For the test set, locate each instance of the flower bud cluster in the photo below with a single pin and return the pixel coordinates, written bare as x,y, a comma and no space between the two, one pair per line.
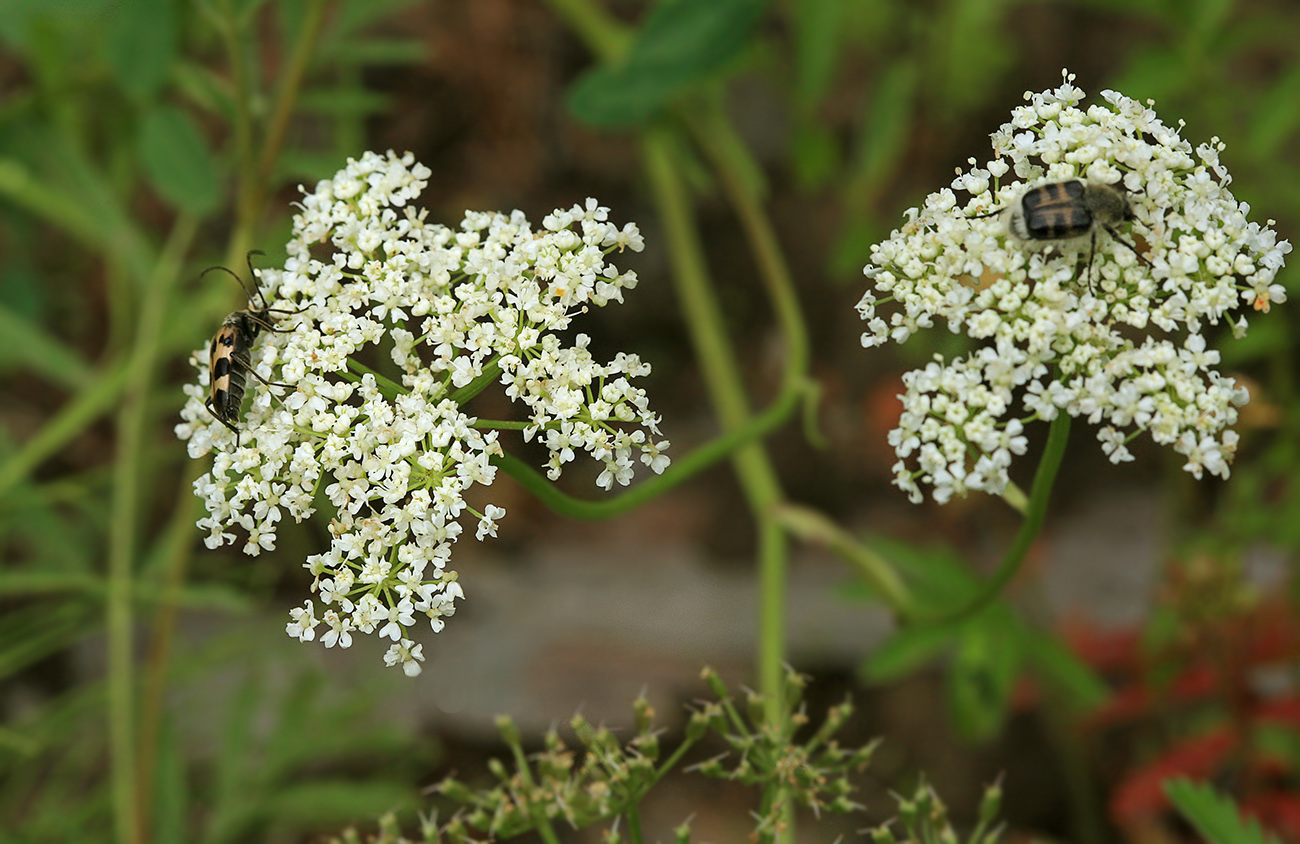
1108,331
370,287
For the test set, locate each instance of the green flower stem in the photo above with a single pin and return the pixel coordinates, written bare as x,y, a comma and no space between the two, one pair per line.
722,374
173,550
536,813
633,822
389,388
134,422
285,100
490,374
681,470
811,525
1058,436
741,180
231,30
603,34
256,170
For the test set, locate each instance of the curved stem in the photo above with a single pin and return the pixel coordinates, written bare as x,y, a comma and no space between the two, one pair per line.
1058,437
681,470
813,526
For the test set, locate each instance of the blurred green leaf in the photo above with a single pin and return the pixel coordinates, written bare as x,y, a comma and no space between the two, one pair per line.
1214,816
815,155
982,675
1058,667
681,43
176,159
971,46
885,127
26,345
819,36
377,51
1276,116
905,652
36,631
140,41
353,15
939,577
331,802
1278,740
343,102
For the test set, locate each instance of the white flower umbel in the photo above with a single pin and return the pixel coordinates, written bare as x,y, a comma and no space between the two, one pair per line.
1097,332
448,312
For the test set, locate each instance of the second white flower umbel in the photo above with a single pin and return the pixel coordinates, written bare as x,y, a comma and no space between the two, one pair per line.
1105,326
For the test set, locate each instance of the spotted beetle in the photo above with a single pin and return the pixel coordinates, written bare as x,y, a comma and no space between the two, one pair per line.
229,355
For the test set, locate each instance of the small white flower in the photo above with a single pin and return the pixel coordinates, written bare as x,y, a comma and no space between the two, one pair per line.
340,631
302,623
487,526
407,654
394,452
1058,340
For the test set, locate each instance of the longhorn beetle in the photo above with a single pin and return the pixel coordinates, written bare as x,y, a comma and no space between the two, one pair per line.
229,356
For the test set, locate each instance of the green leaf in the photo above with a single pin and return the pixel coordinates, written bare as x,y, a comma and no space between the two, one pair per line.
681,43
1277,116
886,126
140,45
939,577
815,155
982,675
340,801
1215,816
343,102
175,157
26,345
1058,667
906,651
819,36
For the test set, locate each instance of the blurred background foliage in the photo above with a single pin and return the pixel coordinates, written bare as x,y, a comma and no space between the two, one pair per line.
145,141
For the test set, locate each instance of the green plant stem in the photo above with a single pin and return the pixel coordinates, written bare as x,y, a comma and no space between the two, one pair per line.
174,552
286,99
741,179
722,374
696,461
813,526
604,35
231,30
541,823
133,424
634,823
706,325
1058,436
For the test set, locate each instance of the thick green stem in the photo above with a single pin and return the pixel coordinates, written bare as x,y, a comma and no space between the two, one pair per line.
722,374
133,425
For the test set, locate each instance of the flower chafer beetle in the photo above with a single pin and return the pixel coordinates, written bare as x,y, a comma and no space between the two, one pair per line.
229,355
1070,210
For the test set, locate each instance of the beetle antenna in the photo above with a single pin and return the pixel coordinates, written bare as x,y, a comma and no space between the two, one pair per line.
252,273
252,292
247,290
